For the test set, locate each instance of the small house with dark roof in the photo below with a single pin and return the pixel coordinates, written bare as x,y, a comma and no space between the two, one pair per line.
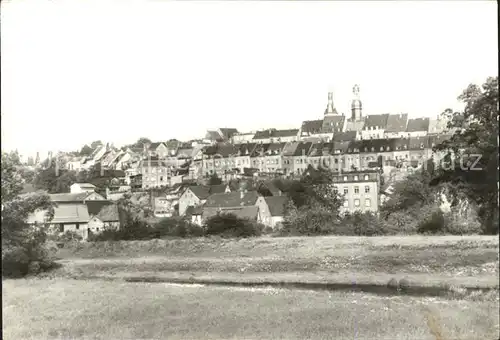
197,195
106,218
272,210
417,127
218,203
374,126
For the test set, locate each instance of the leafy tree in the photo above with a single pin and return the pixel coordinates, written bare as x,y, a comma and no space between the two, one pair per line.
476,133
21,244
95,144
141,142
86,150
214,180
54,180
411,193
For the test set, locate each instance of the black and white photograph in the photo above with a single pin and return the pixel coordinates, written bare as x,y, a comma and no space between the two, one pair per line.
250,170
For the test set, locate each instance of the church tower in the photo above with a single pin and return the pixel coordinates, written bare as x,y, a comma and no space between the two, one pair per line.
330,108
356,106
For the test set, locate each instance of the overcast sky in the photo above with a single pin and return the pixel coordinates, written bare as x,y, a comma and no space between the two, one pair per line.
76,71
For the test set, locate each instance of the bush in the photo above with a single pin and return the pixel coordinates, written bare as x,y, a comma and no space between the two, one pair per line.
177,227
229,225
364,224
433,225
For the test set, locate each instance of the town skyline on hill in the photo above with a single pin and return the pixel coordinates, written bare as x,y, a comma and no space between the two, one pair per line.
164,78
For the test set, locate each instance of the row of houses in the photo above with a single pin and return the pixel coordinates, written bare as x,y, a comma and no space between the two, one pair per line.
293,158
262,201
82,211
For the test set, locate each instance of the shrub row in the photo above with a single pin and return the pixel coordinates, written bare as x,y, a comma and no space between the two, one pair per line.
224,225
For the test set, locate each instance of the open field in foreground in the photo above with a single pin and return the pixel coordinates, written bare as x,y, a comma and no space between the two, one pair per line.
64,309
469,260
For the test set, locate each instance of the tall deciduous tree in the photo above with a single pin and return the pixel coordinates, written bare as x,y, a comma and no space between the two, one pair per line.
473,168
21,244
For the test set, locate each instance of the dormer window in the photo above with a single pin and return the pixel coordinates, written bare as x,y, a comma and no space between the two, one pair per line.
366,177
348,150
373,149
356,178
345,178
387,148
405,146
381,148
366,149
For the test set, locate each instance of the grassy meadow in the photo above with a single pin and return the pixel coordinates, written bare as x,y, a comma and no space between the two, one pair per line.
91,295
64,309
468,260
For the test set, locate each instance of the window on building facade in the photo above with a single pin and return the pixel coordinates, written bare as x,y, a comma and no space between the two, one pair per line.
61,227
161,178
346,204
356,202
346,191
77,226
367,177
367,189
335,189
356,177
356,190
368,202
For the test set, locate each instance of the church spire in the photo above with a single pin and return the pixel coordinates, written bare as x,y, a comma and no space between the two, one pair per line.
330,108
356,105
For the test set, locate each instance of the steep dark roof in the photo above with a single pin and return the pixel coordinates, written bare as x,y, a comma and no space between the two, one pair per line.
379,121
332,124
227,133
302,149
342,146
213,135
276,204
418,124
275,148
203,191
289,148
94,207
320,148
344,136
273,133
397,123
232,199
312,126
